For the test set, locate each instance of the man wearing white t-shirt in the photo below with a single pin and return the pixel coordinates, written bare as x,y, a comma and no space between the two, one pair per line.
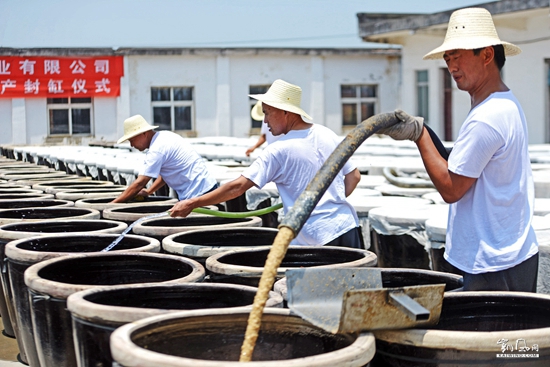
169,159
292,162
487,178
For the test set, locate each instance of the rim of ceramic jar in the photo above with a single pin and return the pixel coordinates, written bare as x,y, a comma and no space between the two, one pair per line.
78,303
13,252
189,249
368,259
64,290
363,348
481,341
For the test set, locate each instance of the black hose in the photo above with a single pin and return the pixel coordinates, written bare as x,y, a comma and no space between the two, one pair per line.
305,203
444,152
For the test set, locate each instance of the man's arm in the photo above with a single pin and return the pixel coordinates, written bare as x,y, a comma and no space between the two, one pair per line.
260,141
451,186
223,193
132,190
351,180
157,184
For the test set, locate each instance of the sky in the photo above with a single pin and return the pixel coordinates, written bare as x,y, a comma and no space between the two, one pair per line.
197,23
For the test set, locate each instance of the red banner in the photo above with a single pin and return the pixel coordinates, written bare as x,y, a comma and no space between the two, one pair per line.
60,77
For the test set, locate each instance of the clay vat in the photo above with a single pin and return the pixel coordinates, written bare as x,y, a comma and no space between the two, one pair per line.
213,338
246,266
475,329
35,214
96,313
39,203
51,282
105,203
131,213
20,254
162,227
398,235
201,244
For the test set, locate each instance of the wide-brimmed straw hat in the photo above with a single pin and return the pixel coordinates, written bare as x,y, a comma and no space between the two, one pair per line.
134,126
284,96
257,113
468,29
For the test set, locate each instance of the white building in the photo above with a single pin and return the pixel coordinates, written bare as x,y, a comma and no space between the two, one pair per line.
427,88
187,65
202,92
221,79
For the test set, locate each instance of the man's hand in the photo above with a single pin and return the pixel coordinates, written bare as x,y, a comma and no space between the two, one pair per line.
181,209
144,193
410,127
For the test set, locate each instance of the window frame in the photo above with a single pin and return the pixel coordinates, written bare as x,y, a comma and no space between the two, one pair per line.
173,104
423,89
357,101
69,106
547,100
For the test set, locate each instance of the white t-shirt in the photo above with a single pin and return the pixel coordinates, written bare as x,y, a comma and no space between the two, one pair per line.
181,167
489,229
269,137
292,162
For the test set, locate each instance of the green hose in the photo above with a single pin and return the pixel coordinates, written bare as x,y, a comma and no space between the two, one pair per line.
252,213
216,213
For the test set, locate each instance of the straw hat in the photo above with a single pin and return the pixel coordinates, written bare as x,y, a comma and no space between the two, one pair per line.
257,113
469,29
134,126
284,96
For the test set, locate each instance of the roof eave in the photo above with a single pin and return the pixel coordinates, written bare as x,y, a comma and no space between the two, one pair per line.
373,28
198,51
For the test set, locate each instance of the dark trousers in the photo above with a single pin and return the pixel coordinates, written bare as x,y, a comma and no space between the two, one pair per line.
216,185
520,278
352,238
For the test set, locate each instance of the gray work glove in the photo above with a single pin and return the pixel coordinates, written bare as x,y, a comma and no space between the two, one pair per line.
410,127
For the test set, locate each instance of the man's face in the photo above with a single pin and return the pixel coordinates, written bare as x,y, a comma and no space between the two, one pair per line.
139,142
275,119
466,69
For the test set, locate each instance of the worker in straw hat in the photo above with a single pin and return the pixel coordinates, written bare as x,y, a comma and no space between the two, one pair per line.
292,162
265,135
487,178
169,159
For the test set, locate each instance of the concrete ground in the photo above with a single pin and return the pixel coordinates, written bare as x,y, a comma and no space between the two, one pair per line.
8,350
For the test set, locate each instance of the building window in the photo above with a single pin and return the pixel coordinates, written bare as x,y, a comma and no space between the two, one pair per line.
547,61
359,102
70,116
256,89
172,108
447,104
422,98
